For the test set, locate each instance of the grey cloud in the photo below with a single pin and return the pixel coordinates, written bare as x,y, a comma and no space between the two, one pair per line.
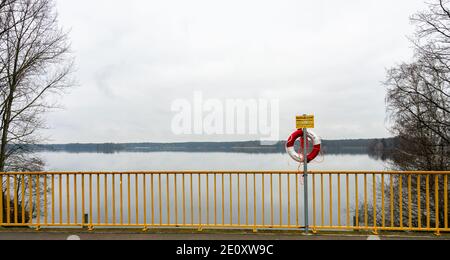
324,57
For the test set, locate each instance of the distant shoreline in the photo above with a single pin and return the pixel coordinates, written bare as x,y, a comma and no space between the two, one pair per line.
351,146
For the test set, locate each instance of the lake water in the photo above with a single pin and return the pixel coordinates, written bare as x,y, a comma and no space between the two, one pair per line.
170,161
239,208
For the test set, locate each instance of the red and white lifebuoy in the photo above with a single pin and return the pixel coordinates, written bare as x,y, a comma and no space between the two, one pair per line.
317,142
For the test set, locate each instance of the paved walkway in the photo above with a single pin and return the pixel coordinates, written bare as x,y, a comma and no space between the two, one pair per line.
186,235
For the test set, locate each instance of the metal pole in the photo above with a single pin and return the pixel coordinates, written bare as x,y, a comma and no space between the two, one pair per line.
305,176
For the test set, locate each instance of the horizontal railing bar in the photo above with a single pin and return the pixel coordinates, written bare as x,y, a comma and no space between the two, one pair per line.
380,228
157,225
237,226
232,172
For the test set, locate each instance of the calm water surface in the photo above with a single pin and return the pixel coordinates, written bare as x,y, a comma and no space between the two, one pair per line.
199,161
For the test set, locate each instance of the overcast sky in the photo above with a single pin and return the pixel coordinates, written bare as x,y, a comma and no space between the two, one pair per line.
134,58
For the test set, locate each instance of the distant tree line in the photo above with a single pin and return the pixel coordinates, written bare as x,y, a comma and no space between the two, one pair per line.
384,148
362,146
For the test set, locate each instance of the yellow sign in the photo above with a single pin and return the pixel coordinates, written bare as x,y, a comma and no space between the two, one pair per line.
306,121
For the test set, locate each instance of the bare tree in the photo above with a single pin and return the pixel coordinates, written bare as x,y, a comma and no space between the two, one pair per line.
433,31
35,64
418,104
419,107
5,24
418,95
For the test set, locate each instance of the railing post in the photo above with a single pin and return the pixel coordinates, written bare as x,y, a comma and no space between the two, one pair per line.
436,203
305,176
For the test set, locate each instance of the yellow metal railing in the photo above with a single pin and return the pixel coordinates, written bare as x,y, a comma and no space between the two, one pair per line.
353,201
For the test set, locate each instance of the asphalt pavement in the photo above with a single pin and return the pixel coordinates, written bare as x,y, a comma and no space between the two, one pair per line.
26,234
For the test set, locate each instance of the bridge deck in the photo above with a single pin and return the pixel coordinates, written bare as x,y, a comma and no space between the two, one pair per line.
122,234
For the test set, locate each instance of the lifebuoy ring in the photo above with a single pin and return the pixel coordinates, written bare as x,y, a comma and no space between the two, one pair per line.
317,142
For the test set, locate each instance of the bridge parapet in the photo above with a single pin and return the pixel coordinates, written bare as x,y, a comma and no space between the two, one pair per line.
255,200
